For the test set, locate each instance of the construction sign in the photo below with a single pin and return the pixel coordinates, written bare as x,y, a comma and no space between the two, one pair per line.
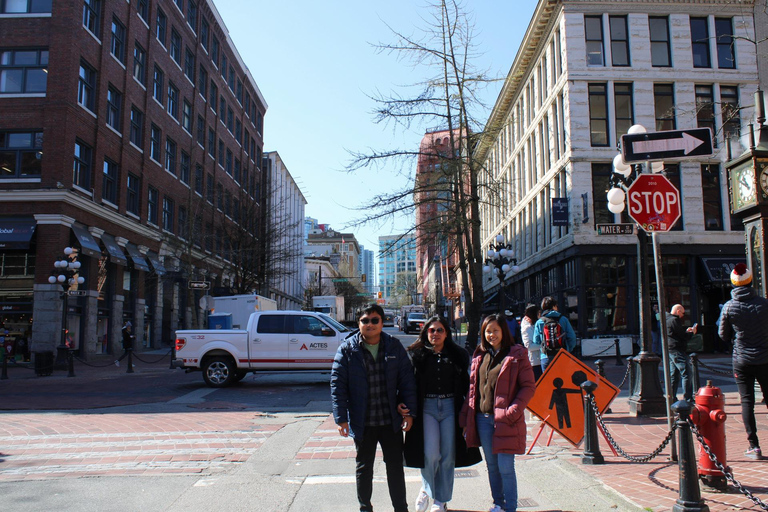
558,398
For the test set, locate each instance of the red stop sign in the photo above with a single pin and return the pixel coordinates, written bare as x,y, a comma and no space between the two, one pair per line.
653,202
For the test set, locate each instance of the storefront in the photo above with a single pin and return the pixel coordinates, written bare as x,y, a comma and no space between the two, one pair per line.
17,275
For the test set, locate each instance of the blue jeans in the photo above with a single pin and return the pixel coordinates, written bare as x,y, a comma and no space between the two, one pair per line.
439,448
544,362
679,367
501,467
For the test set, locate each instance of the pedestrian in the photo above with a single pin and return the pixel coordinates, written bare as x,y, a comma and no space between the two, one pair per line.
744,322
558,333
371,374
677,339
501,384
512,325
127,342
435,443
532,314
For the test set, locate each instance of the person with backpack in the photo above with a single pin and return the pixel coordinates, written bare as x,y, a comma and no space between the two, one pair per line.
552,332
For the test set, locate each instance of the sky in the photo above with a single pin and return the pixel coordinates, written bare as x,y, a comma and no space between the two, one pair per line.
316,67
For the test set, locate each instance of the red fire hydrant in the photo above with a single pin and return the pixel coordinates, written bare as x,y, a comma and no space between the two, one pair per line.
709,417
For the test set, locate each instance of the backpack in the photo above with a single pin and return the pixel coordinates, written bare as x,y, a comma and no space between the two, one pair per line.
554,337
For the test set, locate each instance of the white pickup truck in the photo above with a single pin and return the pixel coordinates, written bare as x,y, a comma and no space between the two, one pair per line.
273,340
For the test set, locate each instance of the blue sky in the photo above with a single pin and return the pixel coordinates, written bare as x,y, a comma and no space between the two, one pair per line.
315,65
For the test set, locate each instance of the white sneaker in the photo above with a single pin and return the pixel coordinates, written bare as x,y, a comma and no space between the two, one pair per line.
496,508
438,506
117,363
422,502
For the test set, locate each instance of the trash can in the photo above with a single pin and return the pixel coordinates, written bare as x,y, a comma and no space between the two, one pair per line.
43,363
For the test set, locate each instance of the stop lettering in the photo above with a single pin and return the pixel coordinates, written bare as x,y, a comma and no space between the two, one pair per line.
653,202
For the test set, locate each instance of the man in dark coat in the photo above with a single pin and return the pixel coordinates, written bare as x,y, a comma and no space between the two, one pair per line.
127,342
744,322
371,375
678,336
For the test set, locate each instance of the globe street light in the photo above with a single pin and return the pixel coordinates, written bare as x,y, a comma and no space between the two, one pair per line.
65,273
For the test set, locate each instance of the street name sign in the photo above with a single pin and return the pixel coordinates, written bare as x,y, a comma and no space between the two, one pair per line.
199,285
339,280
653,202
615,229
667,145
76,293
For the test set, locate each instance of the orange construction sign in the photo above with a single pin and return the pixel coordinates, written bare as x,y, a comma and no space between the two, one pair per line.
558,397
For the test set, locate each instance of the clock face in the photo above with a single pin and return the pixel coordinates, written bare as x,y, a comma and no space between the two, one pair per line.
743,186
764,178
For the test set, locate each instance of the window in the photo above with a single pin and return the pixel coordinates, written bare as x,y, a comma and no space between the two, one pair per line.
215,50
238,131
672,173
664,102
658,27
173,101
192,15
140,64
259,123
25,6
598,114
223,107
209,188
204,30
86,86
713,204
729,107
186,116
109,184
137,127
219,196
23,71
705,108
619,40
199,179
726,58
228,166
601,184
625,110
157,83
21,154
231,81
221,153
212,143
161,29
247,105
700,42
168,208
114,108
239,93
202,82
593,26
184,168
214,102
237,170
230,120
152,198
246,138
154,143
81,170
223,67
175,50
132,194
142,8
201,131
189,65
170,156
91,14
118,40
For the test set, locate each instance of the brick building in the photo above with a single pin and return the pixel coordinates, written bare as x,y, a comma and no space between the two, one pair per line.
132,132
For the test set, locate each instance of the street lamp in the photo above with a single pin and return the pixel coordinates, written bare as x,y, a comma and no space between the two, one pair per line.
65,273
501,259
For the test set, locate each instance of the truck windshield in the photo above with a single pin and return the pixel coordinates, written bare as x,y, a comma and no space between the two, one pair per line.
417,316
334,323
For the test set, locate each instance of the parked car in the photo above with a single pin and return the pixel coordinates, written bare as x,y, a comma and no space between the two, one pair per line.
414,322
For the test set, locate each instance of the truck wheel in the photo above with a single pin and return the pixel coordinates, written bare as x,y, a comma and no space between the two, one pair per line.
219,372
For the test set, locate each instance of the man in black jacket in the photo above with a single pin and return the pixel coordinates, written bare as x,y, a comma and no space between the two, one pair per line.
744,322
678,337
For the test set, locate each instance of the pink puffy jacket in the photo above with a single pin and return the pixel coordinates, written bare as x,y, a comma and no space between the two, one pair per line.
514,390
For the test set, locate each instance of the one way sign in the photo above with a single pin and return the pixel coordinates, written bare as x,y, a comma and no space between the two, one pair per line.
668,145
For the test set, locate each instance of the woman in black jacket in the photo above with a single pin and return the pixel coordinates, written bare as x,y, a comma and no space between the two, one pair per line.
435,443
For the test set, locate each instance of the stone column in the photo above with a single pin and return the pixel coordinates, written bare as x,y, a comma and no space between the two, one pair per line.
115,335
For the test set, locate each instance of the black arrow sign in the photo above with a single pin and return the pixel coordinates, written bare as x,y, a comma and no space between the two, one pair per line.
668,145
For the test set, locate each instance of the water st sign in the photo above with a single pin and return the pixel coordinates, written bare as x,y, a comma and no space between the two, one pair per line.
653,202
615,229
667,145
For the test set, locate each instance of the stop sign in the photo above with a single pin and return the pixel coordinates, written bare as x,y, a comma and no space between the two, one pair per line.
653,202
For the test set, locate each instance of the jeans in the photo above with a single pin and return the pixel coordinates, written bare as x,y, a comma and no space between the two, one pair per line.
439,448
745,376
392,448
544,362
679,366
501,467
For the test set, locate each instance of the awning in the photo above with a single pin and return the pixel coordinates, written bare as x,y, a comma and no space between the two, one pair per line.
154,259
16,232
138,260
88,245
719,269
116,254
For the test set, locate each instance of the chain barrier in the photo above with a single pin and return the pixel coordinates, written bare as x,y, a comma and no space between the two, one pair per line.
16,364
715,370
136,356
610,347
618,448
626,374
727,472
86,363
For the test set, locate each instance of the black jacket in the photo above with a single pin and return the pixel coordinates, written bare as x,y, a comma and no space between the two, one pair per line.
677,334
414,438
744,322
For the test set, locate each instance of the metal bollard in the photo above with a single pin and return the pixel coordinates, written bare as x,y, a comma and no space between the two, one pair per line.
618,352
591,454
71,363
600,364
632,375
689,499
130,361
694,359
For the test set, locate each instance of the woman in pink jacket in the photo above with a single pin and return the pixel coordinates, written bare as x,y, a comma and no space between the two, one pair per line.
501,384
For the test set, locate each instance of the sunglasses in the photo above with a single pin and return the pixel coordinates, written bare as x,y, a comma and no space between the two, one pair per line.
432,330
365,321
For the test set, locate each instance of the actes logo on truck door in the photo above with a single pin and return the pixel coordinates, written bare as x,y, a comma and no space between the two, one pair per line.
314,346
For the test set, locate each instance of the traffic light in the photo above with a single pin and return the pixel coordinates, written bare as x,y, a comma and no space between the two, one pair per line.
363,278
380,294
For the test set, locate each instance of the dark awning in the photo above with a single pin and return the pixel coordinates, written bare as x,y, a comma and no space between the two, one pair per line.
88,245
116,254
16,232
154,259
138,260
719,269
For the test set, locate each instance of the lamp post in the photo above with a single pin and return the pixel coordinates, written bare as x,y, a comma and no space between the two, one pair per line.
501,259
65,273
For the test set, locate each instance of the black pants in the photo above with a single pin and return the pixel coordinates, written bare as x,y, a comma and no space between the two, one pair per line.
125,353
745,376
392,448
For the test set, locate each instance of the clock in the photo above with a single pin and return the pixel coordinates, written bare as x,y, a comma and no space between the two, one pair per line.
763,178
744,186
